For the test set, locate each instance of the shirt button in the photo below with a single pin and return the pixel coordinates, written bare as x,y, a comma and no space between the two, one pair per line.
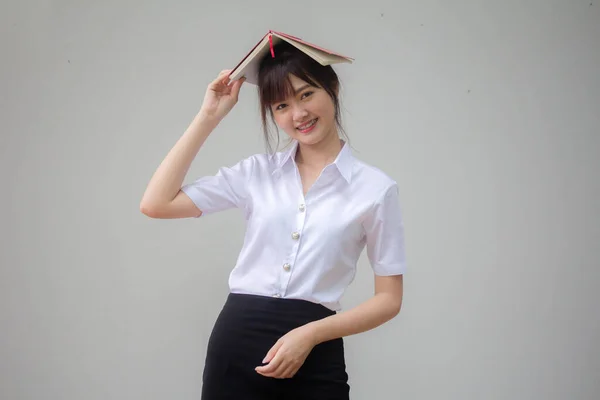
287,266
295,235
302,207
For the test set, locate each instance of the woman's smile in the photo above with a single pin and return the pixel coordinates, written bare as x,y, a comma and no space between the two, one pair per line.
307,127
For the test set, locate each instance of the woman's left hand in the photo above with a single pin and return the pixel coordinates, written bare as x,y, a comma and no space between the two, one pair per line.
288,354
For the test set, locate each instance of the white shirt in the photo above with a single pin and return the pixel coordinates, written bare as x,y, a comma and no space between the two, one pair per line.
306,247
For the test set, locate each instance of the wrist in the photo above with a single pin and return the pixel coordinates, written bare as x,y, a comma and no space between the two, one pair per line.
209,118
314,332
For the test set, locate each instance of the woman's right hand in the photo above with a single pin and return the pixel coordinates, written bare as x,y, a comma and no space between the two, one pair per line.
221,96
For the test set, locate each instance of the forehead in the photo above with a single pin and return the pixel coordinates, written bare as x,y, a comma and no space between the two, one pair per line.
296,82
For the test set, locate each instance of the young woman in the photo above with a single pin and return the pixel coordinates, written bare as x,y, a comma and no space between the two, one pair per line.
311,209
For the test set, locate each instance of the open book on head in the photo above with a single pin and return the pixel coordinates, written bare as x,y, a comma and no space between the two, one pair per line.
248,67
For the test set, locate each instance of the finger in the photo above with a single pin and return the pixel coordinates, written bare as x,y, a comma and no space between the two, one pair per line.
236,86
272,352
273,374
290,370
238,80
281,372
286,369
224,75
221,78
271,367
288,373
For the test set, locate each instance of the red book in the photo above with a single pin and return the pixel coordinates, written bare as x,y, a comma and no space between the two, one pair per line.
248,67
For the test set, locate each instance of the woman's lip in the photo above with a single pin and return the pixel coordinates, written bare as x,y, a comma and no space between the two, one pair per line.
306,124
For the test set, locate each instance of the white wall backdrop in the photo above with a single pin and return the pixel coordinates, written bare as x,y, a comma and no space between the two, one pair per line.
486,113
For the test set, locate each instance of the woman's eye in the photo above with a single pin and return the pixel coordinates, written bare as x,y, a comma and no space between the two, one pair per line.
280,107
306,94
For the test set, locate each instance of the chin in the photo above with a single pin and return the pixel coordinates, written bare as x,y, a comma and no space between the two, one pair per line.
309,140
312,138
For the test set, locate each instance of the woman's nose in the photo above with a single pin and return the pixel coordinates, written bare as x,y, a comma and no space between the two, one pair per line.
300,113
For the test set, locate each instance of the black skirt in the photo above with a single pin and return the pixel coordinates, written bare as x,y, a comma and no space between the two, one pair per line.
247,327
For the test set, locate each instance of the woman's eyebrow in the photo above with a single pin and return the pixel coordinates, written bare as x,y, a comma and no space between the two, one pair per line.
301,88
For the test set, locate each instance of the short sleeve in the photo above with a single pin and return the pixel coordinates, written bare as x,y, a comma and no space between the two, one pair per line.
385,235
224,190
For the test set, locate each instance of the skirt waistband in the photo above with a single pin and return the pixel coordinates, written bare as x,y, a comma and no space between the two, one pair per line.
294,308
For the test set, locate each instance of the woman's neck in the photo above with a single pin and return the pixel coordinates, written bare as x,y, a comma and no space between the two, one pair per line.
319,155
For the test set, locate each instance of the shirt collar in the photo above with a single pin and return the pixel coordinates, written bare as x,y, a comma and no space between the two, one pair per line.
343,162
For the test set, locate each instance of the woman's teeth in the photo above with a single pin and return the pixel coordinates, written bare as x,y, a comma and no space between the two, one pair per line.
306,126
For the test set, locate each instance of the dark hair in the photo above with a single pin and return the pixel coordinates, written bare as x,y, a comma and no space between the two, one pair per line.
274,84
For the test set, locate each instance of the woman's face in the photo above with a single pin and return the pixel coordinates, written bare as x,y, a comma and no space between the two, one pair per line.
308,116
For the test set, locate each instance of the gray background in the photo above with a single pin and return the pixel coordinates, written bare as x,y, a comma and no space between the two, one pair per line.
486,113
